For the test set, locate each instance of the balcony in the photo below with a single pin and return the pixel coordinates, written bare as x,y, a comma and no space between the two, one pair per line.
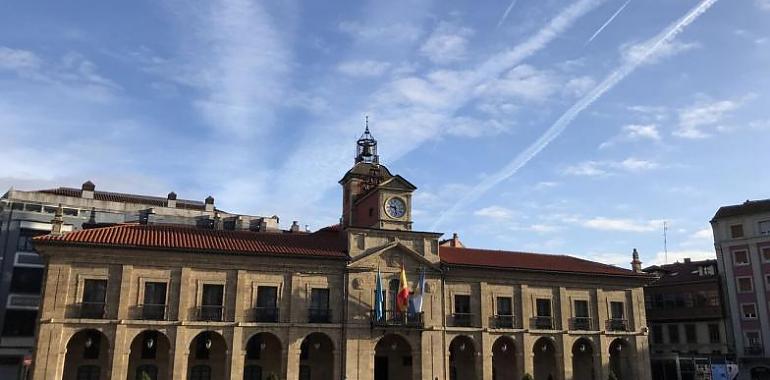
211,313
504,321
266,314
581,324
541,323
153,312
615,324
462,319
92,310
316,315
398,319
753,350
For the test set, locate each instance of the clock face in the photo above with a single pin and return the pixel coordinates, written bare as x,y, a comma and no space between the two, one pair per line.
395,207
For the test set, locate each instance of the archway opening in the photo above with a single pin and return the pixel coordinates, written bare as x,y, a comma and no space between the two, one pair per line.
545,359
88,356
504,359
149,358
620,359
207,357
392,358
462,358
582,360
263,357
316,357
760,373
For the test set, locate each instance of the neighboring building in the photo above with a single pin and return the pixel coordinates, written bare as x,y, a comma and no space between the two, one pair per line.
742,241
142,301
686,320
26,214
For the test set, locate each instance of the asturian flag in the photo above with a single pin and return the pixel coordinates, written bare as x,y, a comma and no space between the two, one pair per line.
402,298
416,304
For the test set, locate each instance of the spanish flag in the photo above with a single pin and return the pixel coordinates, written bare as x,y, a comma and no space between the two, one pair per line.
402,298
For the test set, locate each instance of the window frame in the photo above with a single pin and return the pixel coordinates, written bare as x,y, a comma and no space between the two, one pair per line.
455,303
575,308
674,327
714,327
622,308
691,328
743,313
497,304
765,258
732,232
738,284
549,302
742,250
759,227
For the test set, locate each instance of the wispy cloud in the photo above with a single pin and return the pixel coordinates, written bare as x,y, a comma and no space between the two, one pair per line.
447,43
606,23
622,225
495,212
634,132
606,168
763,4
639,52
695,118
506,13
673,256
363,68
651,48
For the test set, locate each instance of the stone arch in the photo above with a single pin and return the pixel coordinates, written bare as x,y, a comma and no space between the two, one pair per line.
316,358
149,356
263,356
88,356
393,358
207,357
462,358
583,359
545,363
760,372
621,362
504,359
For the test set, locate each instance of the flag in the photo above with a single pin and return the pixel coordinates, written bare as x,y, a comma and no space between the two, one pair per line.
416,302
402,298
378,301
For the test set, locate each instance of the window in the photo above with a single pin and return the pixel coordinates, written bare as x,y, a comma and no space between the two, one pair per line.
764,227
741,257
154,307
211,302
673,334
736,231
33,207
462,310
24,244
708,270
267,300
752,338
504,306
766,254
26,280
714,334
690,334
200,372
657,334
319,306
88,372
745,285
543,307
767,280
617,310
94,296
749,310
19,323
147,372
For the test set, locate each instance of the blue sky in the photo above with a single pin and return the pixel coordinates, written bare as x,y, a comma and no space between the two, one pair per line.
552,126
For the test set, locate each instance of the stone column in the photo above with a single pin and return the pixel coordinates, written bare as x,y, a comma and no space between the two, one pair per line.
566,352
237,354
292,355
486,342
50,351
180,353
528,354
121,349
123,301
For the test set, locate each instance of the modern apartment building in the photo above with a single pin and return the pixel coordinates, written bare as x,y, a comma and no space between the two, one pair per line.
742,242
686,318
148,301
26,214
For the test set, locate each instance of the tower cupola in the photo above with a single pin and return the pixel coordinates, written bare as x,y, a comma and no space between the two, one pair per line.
366,147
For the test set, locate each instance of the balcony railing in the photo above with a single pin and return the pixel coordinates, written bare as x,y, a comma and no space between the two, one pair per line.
616,324
393,318
319,315
542,323
266,314
581,324
210,313
462,319
92,310
753,349
153,312
504,321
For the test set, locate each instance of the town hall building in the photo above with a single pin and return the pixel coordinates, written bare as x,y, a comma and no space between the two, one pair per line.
159,301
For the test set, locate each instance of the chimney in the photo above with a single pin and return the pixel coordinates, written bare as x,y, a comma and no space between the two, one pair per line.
87,190
209,203
57,224
294,226
636,265
687,260
171,200
453,242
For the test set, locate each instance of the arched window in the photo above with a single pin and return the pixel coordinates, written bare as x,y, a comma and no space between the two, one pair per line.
147,372
393,286
88,372
200,372
252,372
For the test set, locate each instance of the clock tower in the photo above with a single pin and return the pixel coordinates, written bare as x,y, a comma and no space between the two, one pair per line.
372,197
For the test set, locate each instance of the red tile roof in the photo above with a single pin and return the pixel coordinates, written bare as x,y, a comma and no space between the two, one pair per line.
323,243
528,261
126,198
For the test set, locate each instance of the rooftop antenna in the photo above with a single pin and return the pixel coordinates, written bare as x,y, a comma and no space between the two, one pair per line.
665,240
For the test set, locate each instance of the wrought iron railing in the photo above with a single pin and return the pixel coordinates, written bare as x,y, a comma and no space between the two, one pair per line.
92,310
541,323
616,324
153,312
504,321
581,323
397,319
753,349
462,319
266,314
319,315
210,313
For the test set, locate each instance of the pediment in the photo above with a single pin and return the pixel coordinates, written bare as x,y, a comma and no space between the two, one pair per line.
390,257
397,182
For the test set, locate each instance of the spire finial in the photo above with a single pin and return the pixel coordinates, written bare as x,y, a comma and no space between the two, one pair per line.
367,123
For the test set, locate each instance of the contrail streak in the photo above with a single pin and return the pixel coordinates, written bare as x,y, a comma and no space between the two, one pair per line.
650,47
507,11
608,21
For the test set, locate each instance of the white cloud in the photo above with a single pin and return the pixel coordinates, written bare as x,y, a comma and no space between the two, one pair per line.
605,168
635,165
524,82
763,4
18,60
394,33
471,127
544,228
620,224
363,68
693,119
494,212
447,43
634,132
579,86
587,168
668,48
